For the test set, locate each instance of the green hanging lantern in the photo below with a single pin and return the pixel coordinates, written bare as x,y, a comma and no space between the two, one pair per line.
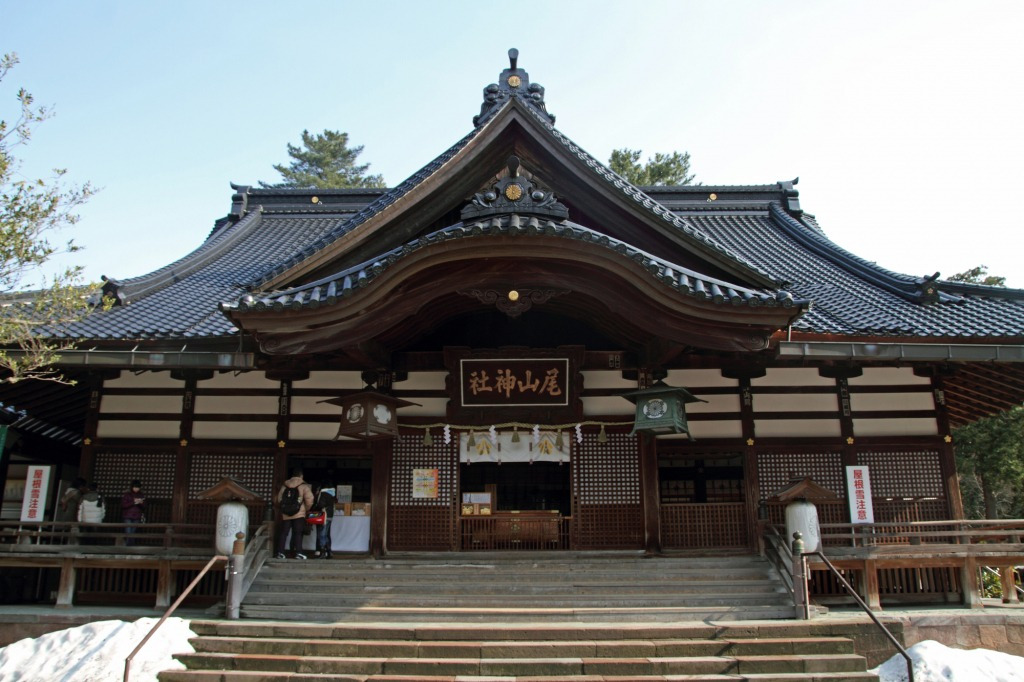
428,440
602,437
515,434
661,409
471,441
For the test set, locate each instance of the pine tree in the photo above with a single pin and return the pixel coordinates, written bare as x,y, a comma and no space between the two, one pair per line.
325,161
663,169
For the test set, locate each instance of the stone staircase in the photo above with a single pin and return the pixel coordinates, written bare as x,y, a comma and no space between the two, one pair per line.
248,651
518,587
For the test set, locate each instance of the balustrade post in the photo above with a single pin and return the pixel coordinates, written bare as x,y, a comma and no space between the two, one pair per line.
800,599
236,576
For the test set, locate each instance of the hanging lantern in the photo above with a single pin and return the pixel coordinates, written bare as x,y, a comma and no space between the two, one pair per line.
368,415
661,409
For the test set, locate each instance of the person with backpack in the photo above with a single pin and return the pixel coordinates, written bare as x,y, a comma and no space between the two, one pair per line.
325,503
293,500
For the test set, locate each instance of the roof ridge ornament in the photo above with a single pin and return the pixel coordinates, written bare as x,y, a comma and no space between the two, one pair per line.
514,190
513,82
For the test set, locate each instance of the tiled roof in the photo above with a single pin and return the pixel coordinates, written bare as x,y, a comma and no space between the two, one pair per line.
331,290
850,296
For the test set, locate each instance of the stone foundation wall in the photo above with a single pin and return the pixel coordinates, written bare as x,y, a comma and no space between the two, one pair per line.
968,630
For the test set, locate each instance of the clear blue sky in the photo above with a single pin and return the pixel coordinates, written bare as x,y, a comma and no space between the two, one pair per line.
902,119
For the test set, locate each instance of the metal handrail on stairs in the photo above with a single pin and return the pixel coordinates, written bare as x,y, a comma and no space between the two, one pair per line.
170,610
864,607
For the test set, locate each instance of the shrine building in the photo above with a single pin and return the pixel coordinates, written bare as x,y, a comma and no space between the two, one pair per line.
517,349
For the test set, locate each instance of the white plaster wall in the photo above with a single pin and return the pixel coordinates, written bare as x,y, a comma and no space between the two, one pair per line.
235,430
607,405
218,404
238,380
796,402
889,376
863,402
144,380
689,378
796,428
423,381
428,407
302,404
795,376
316,431
607,379
341,380
715,403
141,403
138,429
715,429
895,427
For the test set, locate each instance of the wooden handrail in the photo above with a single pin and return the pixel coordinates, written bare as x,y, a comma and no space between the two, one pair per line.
170,610
864,607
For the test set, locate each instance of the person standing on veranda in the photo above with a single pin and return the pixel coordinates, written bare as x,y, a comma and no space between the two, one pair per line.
294,499
133,510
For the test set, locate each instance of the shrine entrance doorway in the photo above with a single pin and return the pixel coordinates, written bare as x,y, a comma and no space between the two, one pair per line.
702,498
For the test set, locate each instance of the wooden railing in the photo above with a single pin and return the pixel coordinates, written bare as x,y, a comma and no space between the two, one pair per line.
882,555
515,531
965,531
47,536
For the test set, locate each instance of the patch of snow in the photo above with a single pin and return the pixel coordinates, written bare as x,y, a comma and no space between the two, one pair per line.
96,652
935,662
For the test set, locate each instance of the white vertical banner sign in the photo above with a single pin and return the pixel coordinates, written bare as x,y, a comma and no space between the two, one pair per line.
858,493
36,486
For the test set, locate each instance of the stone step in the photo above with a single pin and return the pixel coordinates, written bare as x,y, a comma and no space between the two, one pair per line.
617,648
518,667
265,651
537,631
395,614
271,676
265,597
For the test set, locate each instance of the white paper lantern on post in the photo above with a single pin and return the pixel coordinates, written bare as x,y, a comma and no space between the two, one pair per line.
802,517
232,517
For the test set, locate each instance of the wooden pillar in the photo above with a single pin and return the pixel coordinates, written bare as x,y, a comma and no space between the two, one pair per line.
751,476
164,586
87,461
66,587
970,584
947,456
380,486
649,494
1008,580
183,454
869,585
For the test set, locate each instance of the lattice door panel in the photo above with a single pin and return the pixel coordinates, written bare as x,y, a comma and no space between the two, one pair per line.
777,469
607,510
897,474
692,526
420,518
115,470
254,471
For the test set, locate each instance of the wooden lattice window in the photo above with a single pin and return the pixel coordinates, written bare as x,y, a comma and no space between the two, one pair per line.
898,474
418,523
254,471
778,469
115,470
607,473
608,513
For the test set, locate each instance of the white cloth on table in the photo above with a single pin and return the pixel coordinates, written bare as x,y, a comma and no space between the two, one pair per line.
348,534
